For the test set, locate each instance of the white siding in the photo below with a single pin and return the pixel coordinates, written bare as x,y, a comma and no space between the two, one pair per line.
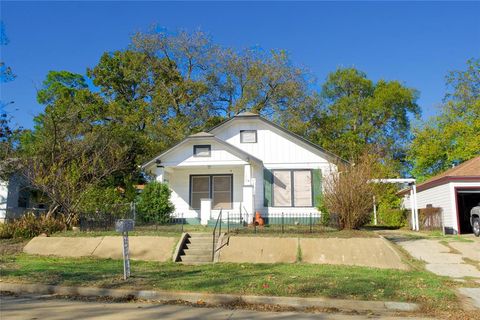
179,182
273,147
3,199
277,150
183,155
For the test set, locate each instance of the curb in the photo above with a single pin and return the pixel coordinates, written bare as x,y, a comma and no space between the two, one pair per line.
214,299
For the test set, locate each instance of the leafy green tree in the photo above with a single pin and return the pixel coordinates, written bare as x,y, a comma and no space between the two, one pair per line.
70,151
357,114
453,136
8,134
154,203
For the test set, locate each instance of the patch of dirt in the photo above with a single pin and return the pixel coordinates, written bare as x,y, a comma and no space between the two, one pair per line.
12,246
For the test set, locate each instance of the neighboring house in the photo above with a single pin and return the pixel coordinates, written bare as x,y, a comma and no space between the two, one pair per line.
456,191
244,165
15,198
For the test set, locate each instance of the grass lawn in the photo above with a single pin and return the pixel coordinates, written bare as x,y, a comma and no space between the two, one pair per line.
173,231
260,279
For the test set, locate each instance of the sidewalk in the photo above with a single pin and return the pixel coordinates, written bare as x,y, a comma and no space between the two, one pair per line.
216,299
42,307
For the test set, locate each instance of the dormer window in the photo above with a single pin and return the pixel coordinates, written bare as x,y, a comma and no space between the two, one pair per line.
248,136
202,150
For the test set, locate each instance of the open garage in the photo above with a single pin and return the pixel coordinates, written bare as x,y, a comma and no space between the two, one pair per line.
466,199
455,191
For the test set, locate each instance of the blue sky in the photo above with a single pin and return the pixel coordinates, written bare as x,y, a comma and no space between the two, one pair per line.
416,43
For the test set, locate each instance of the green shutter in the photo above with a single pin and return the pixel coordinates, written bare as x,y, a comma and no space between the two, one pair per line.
317,186
267,187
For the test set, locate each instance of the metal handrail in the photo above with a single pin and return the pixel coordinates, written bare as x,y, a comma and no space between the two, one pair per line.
219,218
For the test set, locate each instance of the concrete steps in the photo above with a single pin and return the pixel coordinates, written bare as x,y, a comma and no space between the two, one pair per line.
197,249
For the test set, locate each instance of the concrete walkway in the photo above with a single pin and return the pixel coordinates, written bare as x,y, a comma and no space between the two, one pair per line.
36,307
440,259
448,260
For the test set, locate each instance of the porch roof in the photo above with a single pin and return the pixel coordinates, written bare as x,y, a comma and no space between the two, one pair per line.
204,136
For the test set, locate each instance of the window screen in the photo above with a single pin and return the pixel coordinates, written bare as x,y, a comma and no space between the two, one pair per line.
248,136
282,188
302,188
201,151
222,192
200,189
219,190
292,188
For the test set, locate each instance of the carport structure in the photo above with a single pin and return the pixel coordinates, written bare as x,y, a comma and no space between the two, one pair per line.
455,191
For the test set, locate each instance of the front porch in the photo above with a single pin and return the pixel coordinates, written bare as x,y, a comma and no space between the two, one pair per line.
200,193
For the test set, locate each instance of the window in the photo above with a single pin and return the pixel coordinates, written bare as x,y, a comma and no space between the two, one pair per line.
202,150
292,188
200,188
216,187
23,197
248,136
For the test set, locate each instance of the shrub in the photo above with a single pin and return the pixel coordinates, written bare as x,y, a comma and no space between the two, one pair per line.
154,203
103,200
392,217
348,193
29,226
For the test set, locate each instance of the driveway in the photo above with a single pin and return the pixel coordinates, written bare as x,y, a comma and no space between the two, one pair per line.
455,259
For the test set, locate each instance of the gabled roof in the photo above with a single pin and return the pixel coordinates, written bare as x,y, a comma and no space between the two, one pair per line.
206,136
468,170
252,115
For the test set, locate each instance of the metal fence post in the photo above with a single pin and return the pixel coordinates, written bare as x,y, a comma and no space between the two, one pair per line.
283,222
183,220
310,222
228,222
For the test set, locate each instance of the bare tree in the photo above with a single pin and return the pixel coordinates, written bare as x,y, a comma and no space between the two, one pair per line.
348,192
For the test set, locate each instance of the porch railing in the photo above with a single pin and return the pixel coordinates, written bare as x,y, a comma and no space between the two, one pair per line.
218,224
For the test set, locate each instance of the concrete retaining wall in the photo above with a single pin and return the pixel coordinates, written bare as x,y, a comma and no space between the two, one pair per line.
141,248
366,252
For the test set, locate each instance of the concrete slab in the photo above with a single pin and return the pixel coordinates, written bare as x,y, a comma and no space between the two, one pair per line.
259,250
459,270
469,250
62,246
367,252
148,248
473,294
428,250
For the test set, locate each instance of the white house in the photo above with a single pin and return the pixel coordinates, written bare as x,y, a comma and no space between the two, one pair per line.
246,164
455,191
14,198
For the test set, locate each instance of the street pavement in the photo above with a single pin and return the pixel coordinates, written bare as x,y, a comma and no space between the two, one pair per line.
46,307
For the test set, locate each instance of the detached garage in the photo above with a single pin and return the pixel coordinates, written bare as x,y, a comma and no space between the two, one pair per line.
456,191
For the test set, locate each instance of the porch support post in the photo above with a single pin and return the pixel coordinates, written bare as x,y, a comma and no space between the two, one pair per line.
248,199
205,210
412,207
160,172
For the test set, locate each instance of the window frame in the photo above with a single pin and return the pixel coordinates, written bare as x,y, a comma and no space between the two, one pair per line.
198,146
292,191
210,188
241,136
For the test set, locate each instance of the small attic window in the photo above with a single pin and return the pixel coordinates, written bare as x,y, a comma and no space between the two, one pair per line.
202,150
248,136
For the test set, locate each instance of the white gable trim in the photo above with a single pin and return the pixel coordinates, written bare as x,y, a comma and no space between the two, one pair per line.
228,147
